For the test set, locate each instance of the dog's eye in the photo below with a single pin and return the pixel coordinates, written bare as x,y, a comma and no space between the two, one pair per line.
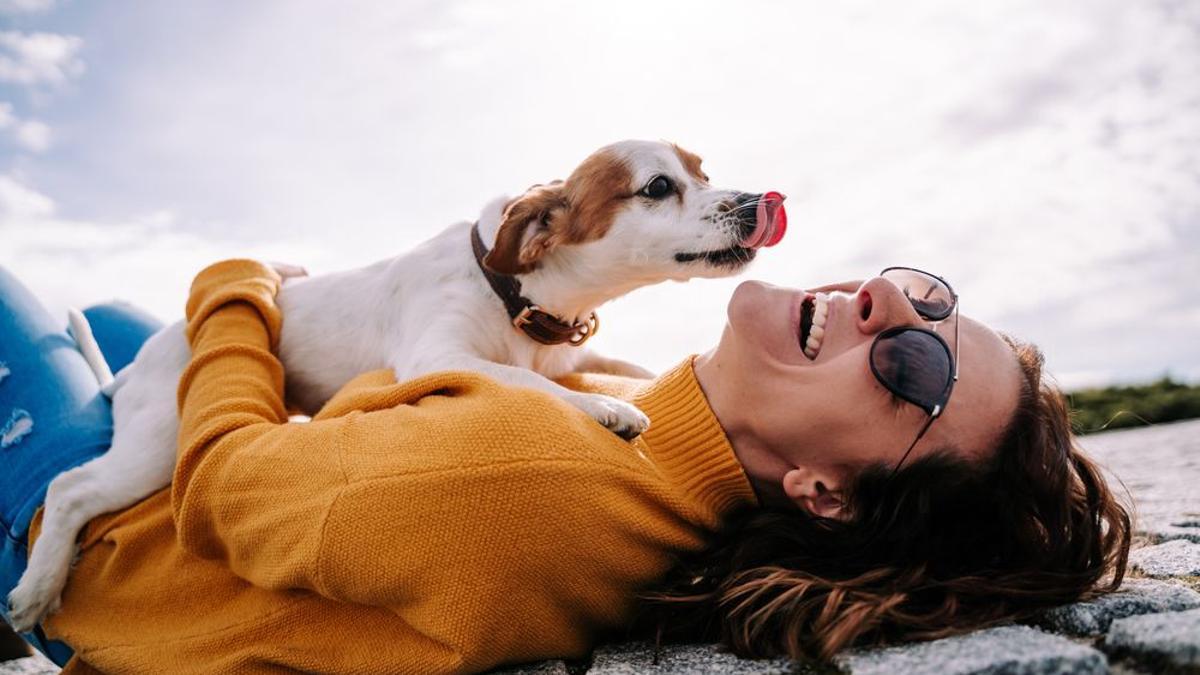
658,187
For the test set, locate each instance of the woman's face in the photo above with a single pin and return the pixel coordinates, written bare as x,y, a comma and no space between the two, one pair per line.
802,428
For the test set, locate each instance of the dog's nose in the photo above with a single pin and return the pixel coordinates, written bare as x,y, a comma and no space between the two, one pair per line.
743,207
761,218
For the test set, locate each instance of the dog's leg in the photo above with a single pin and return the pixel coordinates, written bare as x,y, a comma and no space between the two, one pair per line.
74,498
140,461
591,362
623,419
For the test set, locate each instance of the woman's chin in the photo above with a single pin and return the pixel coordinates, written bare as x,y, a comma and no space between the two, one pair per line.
763,318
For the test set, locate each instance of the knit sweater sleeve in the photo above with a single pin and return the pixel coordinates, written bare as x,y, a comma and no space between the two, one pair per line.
233,424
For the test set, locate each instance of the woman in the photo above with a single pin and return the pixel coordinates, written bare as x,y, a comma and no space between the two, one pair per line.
449,524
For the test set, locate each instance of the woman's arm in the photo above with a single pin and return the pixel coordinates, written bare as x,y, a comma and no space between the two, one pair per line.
232,419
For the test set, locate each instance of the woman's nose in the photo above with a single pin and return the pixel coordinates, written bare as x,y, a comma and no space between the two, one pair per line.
882,305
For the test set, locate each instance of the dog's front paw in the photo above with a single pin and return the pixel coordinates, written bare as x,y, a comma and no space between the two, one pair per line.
619,417
31,601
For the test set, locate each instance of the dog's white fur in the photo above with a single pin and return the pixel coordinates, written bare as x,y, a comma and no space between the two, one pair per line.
427,310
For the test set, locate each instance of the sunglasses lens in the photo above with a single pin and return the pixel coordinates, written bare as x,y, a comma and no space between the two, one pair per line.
932,298
914,365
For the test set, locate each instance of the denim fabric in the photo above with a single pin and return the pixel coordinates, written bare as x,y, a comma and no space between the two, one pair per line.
120,329
52,414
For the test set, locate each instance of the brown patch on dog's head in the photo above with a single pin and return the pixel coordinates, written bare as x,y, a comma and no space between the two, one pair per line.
596,191
581,209
691,163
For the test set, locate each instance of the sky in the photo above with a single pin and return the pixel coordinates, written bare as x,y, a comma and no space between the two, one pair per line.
1043,156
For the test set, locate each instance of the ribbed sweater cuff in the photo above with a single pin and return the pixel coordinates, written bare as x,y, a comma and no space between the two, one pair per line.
688,443
235,281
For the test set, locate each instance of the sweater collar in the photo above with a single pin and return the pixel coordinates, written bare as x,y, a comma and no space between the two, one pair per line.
688,444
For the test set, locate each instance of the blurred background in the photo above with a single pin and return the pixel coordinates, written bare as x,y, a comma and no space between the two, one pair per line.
1042,156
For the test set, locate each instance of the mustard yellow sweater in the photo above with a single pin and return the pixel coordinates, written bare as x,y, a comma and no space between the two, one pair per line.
443,525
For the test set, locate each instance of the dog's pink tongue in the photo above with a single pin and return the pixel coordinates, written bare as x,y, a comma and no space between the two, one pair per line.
770,222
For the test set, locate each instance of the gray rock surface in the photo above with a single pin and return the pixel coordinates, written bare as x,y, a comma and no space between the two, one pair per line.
1170,640
1161,467
637,658
1007,649
31,665
1175,558
552,667
1137,596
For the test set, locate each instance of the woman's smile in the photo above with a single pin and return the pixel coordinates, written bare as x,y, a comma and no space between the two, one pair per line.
814,314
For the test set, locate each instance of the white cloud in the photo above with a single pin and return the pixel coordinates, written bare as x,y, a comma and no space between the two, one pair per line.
147,260
20,204
24,6
33,135
39,58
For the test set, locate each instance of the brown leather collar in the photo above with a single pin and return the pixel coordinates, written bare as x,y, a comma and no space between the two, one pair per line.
540,326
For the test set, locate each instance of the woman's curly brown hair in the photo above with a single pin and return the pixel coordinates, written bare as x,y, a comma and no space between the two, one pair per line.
944,546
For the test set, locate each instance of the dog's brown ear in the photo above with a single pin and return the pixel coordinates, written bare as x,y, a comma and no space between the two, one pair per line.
529,228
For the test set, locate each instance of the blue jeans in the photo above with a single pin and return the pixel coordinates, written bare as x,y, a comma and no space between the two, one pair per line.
52,414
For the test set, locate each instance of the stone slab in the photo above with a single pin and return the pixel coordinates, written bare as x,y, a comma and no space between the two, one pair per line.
30,665
1160,465
1137,596
551,667
1175,558
1188,529
1164,641
637,658
1007,650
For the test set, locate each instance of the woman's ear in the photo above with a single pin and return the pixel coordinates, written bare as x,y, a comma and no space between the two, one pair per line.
529,228
815,492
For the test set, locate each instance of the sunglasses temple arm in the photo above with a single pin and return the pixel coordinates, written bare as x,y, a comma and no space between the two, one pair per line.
957,341
907,452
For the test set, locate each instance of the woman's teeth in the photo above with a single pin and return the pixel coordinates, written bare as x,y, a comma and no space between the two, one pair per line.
812,344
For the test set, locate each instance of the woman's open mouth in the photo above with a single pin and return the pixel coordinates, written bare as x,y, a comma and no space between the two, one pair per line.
814,310
732,256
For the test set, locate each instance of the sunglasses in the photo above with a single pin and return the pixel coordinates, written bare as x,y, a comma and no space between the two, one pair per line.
915,363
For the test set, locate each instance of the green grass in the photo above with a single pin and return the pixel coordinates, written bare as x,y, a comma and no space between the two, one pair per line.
1105,408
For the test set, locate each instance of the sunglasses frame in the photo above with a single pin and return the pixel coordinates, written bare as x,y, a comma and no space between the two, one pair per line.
933,409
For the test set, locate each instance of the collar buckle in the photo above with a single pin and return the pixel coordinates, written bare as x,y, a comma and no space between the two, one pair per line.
523,319
585,330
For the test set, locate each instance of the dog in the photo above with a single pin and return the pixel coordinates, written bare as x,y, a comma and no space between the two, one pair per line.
512,296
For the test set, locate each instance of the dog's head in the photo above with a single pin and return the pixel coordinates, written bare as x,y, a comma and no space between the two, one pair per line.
641,211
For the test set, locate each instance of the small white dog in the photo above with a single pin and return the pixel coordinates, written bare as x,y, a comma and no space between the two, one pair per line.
632,214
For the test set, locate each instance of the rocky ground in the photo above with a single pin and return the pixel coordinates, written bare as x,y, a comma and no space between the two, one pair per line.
1152,625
